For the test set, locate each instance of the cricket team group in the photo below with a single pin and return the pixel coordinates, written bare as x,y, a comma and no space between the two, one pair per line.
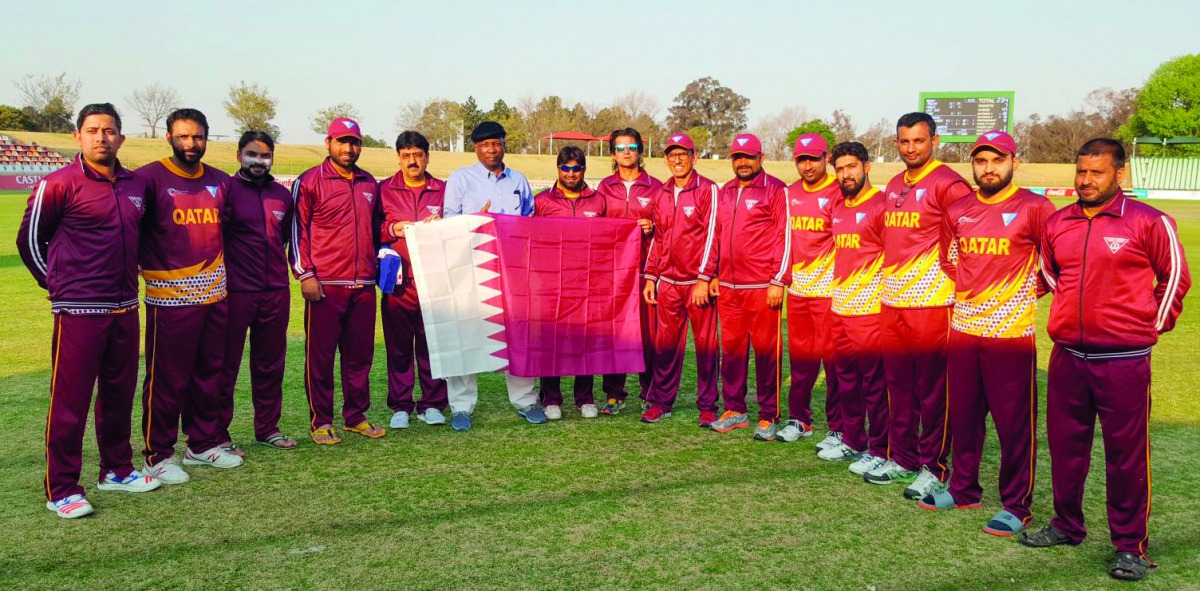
918,300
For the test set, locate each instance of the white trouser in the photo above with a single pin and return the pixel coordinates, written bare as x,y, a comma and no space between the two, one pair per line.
463,392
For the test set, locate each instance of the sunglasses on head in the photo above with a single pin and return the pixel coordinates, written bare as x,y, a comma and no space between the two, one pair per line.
626,148
568,168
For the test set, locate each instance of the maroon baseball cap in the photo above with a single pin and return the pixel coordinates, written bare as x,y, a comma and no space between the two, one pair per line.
681,140
342,127
745,143
810,144
996,140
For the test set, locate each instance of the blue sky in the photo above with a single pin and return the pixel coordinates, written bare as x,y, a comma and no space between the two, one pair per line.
870,58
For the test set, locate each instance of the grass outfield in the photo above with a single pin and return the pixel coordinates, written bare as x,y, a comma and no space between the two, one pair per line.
381,162
609,503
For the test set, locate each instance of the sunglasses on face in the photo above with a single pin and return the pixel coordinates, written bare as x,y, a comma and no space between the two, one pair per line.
567,168
626,148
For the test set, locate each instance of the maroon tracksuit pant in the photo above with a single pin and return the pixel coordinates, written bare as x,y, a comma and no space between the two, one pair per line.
408,353
343,321
90,351
185,349
747,322
674,312
997,376
612,384
859,375
649,319
809,340
914,363
265,315
1118,391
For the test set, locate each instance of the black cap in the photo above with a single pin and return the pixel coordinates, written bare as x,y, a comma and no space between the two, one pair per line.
488,130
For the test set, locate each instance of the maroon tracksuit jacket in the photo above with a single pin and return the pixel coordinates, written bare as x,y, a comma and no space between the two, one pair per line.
183,264
333,239
79,240
685,239
403,327
635,201
755,243
554,203
257,227
1119,279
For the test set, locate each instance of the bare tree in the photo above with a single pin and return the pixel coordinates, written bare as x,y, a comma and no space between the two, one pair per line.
842,126
878,140
773,130
153,102
52,99
409,117
639,104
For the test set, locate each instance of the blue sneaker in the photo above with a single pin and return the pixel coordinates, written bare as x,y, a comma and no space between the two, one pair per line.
533,413
432,417
460,421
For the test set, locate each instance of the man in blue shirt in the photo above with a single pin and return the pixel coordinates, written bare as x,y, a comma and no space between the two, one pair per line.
489,187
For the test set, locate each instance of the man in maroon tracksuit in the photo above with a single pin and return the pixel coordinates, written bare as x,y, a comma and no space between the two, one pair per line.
570,197
257,226
333,256
1119,276
685,239
79,240
183,265
630,193
755,243
411,195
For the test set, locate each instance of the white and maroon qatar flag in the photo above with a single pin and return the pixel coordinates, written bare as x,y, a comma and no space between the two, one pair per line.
534,296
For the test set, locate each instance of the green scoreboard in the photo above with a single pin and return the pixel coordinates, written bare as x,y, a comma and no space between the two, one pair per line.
962,117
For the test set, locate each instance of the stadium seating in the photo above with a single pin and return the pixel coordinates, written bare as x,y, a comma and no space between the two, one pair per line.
18,157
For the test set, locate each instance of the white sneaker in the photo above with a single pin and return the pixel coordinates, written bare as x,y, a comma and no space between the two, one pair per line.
135,482
71,507
432,416
832,438
925,484
399,420
168,471
865,464
589,411
838,453
793,431
215,457
553,412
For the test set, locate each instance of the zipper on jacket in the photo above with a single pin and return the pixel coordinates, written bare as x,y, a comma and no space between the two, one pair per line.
112,186
354,210
732,229
1083,274
266,236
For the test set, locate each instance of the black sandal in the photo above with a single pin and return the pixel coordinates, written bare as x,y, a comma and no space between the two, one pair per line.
1045,537
1131,567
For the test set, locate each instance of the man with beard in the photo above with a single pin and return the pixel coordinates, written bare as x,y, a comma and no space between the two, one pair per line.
685,225
810,200
79,240
183,264
917,296
333,256
489,186
754,247
857,227
570,197
257,225
630,193
1119,276
989,248
411,195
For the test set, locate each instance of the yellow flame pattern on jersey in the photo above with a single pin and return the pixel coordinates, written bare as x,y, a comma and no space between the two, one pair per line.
815,279
918,283
859,293
1007,309
197,284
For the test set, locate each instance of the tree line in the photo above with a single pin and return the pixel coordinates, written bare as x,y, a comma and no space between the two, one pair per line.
1168,105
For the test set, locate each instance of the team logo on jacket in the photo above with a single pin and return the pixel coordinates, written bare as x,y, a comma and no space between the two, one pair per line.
919,194
1115,244
644,201
858,217
589,214
795,202
1008,218
750,203
687,210
969,220
370,197
137,202
822,202
835,221
212,190
434,209
278,215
